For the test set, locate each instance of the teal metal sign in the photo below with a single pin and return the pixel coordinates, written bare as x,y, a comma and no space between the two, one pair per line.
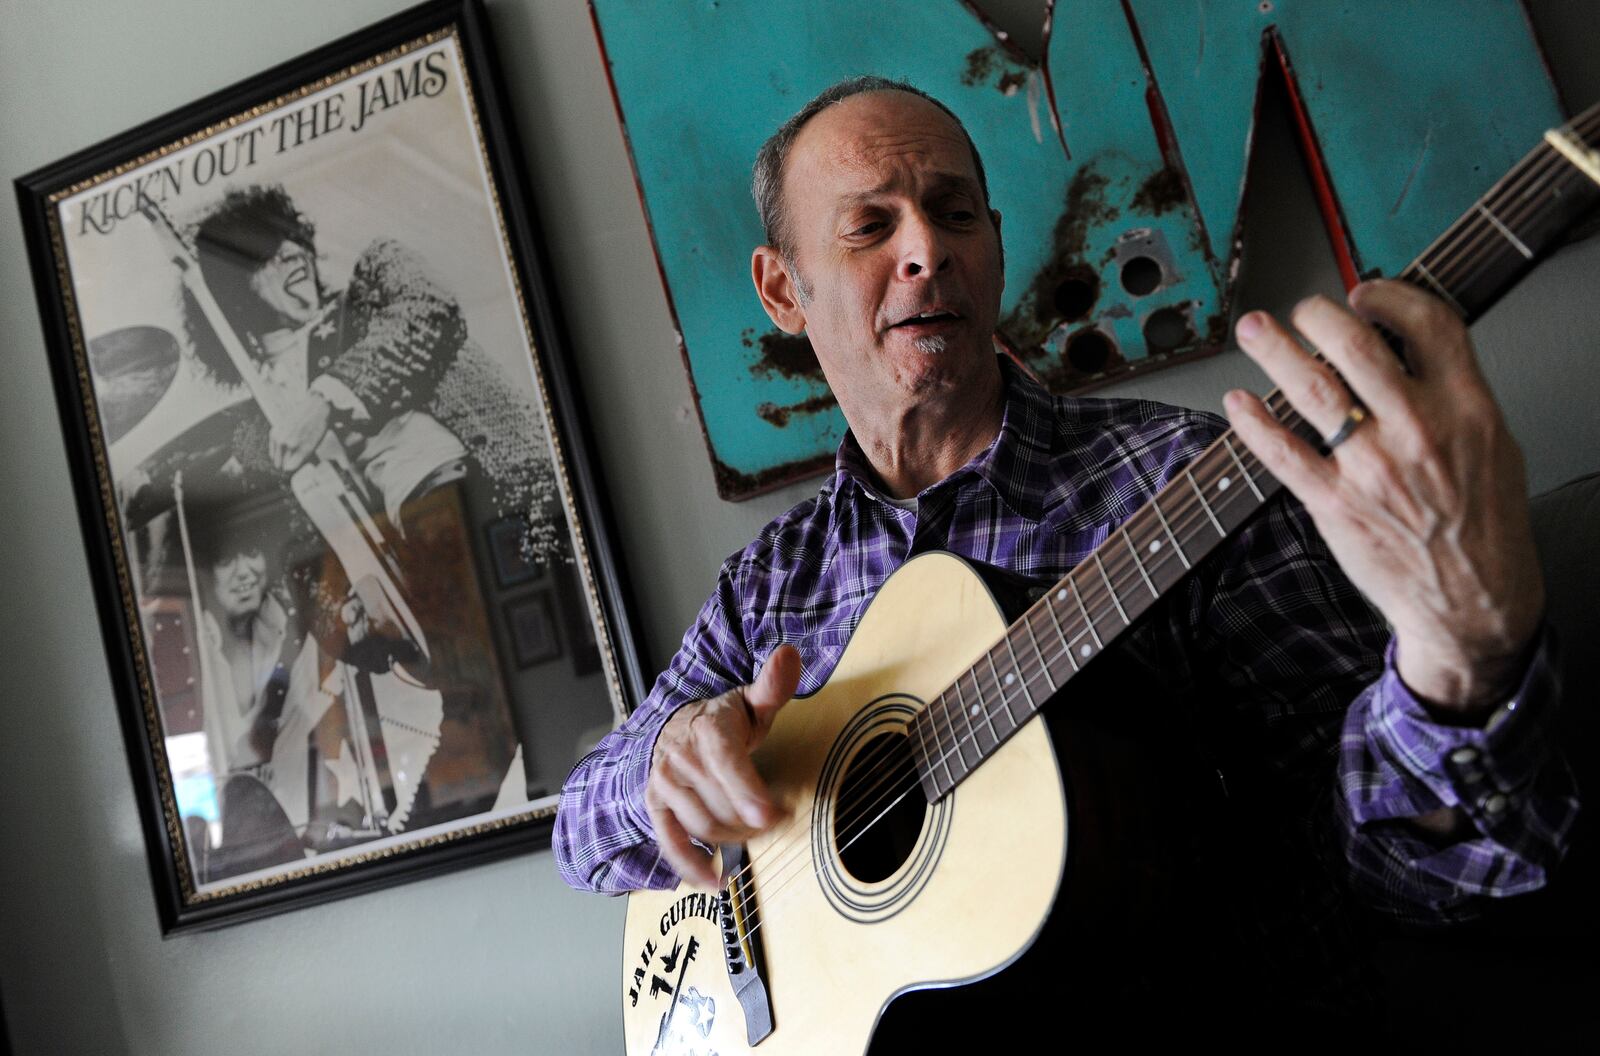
1118,162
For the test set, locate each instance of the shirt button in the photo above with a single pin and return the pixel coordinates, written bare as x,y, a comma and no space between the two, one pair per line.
1495,805
1464,756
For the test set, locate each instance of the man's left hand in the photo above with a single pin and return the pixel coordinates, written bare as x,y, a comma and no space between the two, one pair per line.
1424,505
299,437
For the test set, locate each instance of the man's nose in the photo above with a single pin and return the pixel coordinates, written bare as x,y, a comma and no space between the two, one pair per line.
923,252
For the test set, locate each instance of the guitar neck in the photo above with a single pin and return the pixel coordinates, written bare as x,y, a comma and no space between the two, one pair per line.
1481,256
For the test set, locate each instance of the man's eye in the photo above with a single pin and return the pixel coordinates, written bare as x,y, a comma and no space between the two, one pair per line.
961,216
871,227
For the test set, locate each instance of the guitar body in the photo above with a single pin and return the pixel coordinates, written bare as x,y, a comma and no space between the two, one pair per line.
844,928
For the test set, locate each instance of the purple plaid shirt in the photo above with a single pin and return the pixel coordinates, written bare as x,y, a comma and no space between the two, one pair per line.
1270,625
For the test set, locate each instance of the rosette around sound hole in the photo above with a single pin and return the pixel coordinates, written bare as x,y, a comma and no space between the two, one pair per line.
875,837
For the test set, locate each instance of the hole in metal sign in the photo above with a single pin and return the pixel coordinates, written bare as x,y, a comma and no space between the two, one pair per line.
1167,329
1088,351
1141,275
1076,294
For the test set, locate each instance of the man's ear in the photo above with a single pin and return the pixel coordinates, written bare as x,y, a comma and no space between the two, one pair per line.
777,290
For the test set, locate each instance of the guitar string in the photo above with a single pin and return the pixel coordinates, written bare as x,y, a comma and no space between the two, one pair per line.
1102,605
783,873
1476,229
1191,515
1448,246
1535,166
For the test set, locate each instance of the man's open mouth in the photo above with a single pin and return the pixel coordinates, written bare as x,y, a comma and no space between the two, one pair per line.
928,317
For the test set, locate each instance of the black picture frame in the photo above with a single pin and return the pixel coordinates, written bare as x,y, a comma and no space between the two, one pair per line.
448,39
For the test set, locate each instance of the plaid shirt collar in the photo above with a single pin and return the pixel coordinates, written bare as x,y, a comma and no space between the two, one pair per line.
1016,464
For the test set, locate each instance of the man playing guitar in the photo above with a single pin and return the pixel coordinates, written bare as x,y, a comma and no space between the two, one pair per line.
1375,647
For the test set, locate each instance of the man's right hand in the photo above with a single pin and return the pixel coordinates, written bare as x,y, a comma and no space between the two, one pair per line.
702,783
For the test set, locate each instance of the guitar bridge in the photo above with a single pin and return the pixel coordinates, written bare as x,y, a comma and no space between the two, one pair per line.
740,921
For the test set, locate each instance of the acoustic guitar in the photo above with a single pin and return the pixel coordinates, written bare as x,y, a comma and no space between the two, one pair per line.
902,775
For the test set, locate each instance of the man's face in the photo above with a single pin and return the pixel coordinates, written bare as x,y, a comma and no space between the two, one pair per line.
287,283
239,581
899,260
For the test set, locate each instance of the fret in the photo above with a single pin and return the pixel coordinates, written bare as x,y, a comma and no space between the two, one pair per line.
1016,666
1134,551
1439,286
944,754
1248,479
1077,592
1504,230
1204,505
1004,698
921,723
1101,565
988,715
1013,677
972,733
988,719
1044,665
1065,644
1155,504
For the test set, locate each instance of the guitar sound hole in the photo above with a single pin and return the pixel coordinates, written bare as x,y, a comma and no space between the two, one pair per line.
880,809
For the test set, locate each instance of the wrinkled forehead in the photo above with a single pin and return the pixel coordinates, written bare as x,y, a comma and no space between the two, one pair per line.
879,141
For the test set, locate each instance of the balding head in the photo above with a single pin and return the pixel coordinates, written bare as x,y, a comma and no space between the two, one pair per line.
766,184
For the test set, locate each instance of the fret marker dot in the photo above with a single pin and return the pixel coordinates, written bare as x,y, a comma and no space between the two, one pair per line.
1061,595
974,710
1010,678
1222,485
1085,650
1155,544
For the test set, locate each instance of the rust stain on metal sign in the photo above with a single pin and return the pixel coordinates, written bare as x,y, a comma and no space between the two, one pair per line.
1163,190
1067,287
779,416
746,485
785,355
980,63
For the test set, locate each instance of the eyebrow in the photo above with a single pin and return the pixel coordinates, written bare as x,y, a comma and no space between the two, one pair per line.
941,182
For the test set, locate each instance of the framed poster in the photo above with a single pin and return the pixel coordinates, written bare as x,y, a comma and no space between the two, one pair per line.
310,369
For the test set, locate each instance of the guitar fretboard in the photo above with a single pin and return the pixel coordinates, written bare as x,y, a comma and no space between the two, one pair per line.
1481,255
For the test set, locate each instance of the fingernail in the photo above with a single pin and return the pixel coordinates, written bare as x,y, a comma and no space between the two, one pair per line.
754,814
1249,326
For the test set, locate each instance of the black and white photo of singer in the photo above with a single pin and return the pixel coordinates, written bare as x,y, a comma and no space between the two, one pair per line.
345,416
364,361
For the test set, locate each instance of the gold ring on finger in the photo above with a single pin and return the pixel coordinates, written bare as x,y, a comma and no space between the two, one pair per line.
1352,421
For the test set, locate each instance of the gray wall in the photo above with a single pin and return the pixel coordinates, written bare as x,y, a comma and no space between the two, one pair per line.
499,958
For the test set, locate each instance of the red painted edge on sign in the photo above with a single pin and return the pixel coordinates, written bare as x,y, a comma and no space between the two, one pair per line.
1327,202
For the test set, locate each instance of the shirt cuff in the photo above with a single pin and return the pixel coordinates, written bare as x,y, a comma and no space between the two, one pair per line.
339,396
1486,770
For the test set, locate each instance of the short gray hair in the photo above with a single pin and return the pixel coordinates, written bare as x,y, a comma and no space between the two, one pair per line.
766,184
